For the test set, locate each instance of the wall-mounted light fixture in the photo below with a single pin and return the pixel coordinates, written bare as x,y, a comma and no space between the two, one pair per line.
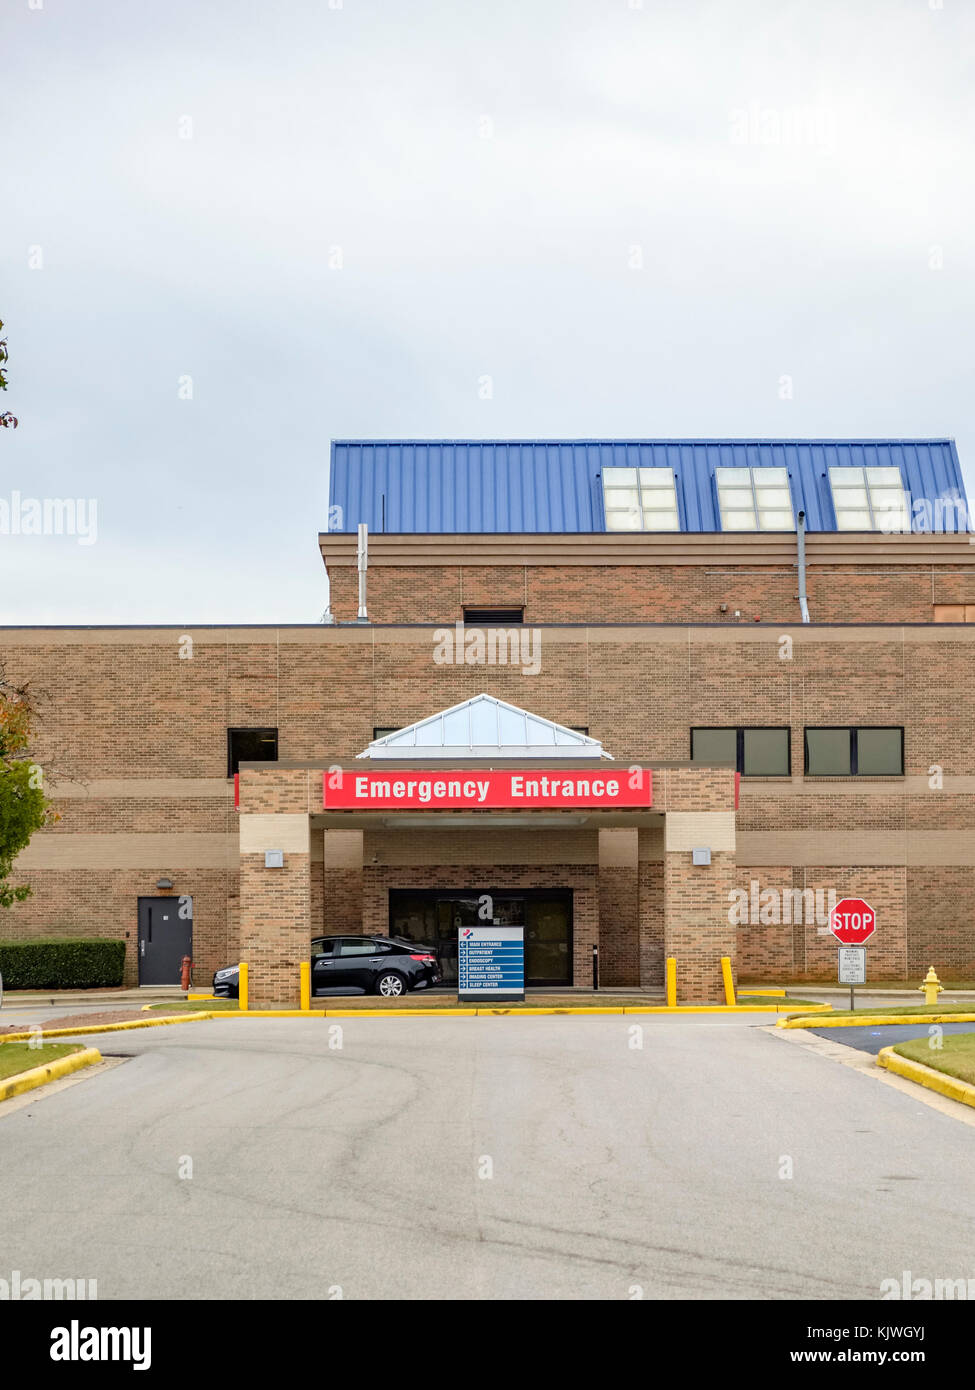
700,856
164,883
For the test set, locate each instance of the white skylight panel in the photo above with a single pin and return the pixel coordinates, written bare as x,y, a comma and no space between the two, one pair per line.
869,499
754,499
640,499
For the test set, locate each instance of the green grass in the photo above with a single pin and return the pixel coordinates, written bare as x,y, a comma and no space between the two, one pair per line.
16,1057
955,1057
193,1006
893,1007
789,1005
829,982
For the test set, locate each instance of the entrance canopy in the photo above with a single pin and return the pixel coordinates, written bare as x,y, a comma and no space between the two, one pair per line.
484,727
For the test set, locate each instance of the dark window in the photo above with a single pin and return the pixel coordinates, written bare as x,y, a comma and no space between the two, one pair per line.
493,617
382,733
765,752
321,947
714,746
754,752
250,746
851,752
829,752
879,752
580,729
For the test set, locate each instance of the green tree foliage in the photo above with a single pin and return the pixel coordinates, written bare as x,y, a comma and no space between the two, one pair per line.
24,807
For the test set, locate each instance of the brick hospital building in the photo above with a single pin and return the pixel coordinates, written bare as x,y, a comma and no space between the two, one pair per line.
650,696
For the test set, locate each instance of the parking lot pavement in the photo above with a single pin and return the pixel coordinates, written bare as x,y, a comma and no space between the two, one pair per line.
872,1039
510,1157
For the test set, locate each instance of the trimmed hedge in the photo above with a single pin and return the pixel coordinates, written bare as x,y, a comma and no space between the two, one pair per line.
62,963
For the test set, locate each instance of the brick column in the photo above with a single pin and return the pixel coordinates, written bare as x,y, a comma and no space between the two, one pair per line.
619,908
275,903
697,929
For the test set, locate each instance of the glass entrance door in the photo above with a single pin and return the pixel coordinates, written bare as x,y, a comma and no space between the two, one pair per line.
433,917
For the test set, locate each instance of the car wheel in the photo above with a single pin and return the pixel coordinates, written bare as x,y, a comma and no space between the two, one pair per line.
390,985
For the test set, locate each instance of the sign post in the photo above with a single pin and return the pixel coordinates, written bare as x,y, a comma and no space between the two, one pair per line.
490,964
852,968
852,921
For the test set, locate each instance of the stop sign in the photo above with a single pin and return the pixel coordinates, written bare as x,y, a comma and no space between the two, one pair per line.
852,921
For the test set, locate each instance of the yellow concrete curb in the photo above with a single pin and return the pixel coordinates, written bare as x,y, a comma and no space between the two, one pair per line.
934,1080
616,1009
778,993
868,1020
102,1028
51,1071
262,1013
397,1013
194,1017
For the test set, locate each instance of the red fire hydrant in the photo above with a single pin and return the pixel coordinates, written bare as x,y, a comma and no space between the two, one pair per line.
186,966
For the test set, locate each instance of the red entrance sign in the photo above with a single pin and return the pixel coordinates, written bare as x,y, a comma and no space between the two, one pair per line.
523,789
852,920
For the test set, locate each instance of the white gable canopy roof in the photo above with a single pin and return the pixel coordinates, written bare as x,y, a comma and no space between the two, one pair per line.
484,727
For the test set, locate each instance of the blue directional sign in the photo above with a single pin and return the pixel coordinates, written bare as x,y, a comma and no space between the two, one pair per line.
491,963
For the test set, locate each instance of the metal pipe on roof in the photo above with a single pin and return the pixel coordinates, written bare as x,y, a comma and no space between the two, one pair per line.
801,547
363,563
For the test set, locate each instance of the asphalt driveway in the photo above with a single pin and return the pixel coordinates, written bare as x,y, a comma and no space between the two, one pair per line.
542,1157
870,1039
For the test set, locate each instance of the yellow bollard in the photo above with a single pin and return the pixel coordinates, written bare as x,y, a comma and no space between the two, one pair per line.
671,982
304,975
932,986
729,980
242,990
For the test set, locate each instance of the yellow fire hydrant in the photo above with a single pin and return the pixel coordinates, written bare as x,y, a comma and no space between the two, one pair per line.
932,986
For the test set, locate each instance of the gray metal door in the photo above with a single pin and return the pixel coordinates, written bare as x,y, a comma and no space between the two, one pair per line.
165,937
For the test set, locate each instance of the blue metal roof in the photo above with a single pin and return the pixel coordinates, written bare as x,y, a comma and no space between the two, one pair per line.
485,486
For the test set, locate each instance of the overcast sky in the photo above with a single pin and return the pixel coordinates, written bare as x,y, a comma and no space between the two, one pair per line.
232,230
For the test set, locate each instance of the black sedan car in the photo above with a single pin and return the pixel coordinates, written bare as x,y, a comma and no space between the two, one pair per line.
386,965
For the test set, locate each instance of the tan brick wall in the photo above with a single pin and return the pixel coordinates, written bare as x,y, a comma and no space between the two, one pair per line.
341,904
275,915
655,593
104,902
124,712
768,952
651,924
477,848
940,908
619,926
275,910
697,932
